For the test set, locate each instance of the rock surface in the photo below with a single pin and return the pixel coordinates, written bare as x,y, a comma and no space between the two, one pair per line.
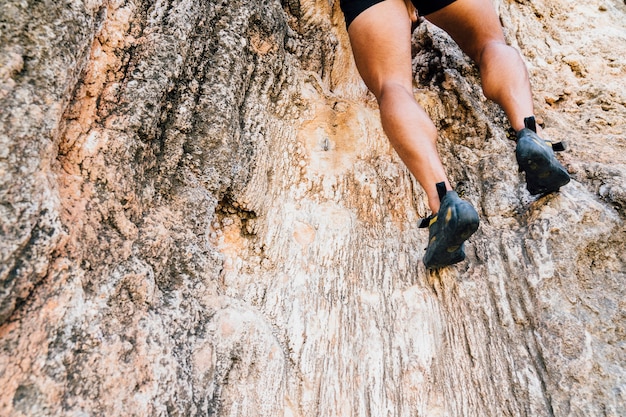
201,215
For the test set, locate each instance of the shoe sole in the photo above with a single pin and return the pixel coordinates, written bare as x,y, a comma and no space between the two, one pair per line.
544,173
467,222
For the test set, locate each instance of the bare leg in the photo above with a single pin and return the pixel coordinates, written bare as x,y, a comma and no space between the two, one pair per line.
475,27
382,52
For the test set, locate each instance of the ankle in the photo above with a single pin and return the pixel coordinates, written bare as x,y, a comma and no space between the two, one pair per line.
436,194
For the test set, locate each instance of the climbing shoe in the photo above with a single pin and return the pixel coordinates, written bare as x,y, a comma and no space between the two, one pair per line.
453,224
535,156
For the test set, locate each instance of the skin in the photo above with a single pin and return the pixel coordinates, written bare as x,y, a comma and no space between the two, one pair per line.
382,52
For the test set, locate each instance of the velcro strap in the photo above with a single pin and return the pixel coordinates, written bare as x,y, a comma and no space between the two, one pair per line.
441,190
425,222
558,146
529,123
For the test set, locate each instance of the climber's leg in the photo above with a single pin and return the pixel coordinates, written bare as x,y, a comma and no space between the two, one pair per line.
382,52
381,43
475,26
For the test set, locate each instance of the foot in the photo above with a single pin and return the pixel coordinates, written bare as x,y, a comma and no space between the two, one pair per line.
453,224
535,156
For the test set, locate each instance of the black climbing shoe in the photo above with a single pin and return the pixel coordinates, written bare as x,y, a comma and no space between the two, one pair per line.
455,222
535,156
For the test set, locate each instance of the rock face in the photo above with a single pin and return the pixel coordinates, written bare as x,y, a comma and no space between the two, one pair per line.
201,215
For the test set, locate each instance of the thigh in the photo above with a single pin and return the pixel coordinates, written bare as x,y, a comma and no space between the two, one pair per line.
381,44
471,23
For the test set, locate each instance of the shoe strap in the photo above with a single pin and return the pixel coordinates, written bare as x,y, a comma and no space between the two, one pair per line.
441,190
557,146
425,222
530,123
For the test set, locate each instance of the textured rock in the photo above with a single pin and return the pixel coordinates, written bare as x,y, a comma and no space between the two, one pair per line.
200,215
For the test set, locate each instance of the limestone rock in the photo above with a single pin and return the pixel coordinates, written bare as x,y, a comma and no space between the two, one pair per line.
201,215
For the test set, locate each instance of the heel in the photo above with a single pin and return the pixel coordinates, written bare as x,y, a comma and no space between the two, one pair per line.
535,157
468,221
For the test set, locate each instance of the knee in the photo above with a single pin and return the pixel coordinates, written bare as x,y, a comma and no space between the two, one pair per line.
398,107
392,91
495,51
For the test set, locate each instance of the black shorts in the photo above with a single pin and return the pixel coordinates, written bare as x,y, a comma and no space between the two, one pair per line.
352,8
